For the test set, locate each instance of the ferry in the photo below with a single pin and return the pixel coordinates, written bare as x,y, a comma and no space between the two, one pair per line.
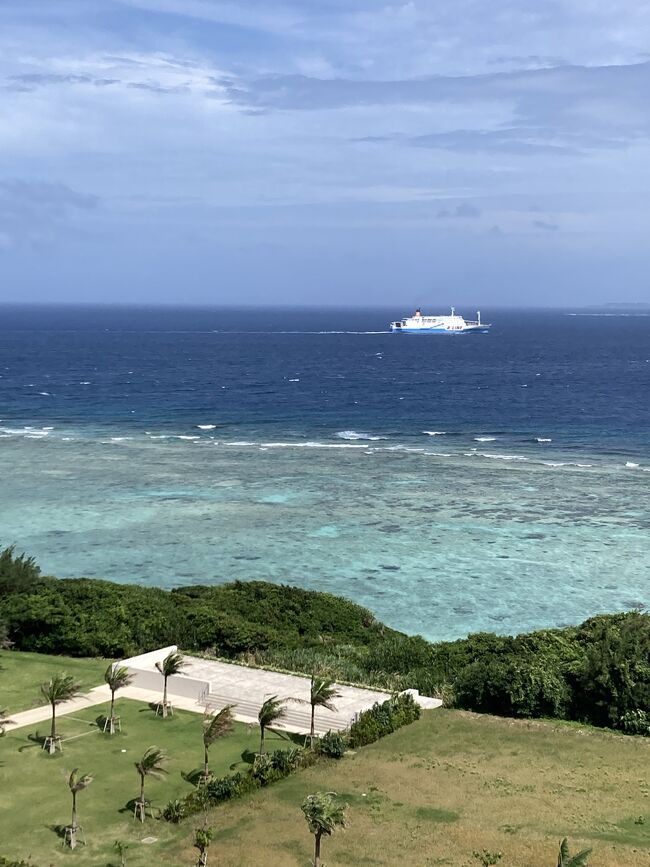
453,324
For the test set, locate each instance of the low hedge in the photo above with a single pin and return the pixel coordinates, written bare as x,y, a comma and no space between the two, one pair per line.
382,719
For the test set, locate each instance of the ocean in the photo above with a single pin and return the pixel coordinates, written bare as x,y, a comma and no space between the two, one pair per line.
451,484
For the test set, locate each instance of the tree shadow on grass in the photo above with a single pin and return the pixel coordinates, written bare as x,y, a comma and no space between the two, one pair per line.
36,739
59,830
193,777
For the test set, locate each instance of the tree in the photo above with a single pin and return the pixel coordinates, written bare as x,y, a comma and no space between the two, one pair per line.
202,839
116,677
150,765
323,815
76,783
215,726
173,663
62,687
18,572
322,694
566,860
271,712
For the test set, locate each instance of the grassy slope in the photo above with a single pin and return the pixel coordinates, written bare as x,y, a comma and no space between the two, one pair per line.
21,675
451,784
34,795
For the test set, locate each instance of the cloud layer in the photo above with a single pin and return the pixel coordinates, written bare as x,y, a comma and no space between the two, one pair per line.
342,151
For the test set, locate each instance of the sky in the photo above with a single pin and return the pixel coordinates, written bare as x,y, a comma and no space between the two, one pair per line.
325,152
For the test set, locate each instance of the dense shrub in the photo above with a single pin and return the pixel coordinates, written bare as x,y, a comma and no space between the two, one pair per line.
18,572
382,719
7,862
332,745
635,722
597,673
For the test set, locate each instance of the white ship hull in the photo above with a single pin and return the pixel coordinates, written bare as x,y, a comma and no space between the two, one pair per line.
453,324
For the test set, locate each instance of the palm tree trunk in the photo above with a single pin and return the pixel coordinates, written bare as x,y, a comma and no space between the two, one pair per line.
164,713
261,740
142,797
313,714
73,823
317,849
206,769
53,729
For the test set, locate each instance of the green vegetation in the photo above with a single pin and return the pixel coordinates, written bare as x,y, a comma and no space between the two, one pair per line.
383,719
597,672
324,814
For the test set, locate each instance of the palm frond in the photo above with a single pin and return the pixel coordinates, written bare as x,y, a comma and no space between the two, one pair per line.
150,765
173,663
217,725
77,782
117,676
271,711
62,687
323,693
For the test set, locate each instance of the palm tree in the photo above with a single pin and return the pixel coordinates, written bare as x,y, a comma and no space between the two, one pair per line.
566,860
323,815
202,839
323,692
62,687
77,784
116,677
215,726
271,711
173,663
150,765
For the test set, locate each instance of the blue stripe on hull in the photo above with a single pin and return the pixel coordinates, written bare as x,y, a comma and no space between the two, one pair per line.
438,331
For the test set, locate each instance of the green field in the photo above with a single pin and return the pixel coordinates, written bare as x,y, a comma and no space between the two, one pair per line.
448,785
21,675
34,795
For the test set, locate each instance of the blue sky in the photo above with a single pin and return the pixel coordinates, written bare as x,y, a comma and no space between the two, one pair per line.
325,151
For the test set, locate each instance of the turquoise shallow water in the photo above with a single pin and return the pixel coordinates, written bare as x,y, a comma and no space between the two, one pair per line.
432,544
456,484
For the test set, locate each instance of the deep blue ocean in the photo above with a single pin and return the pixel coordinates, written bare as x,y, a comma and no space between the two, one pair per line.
449,483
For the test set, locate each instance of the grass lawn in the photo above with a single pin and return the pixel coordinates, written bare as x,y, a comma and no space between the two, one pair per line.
34,795
448,785
21,675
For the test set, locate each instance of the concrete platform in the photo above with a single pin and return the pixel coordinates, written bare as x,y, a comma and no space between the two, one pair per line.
210,684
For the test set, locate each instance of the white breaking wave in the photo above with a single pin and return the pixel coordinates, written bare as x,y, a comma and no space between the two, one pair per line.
484,439
434,433
355,435
45,393
630,465
206,426
543,440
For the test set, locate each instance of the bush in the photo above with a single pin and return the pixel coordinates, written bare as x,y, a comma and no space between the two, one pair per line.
174,811
382,719
332,745
635,722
